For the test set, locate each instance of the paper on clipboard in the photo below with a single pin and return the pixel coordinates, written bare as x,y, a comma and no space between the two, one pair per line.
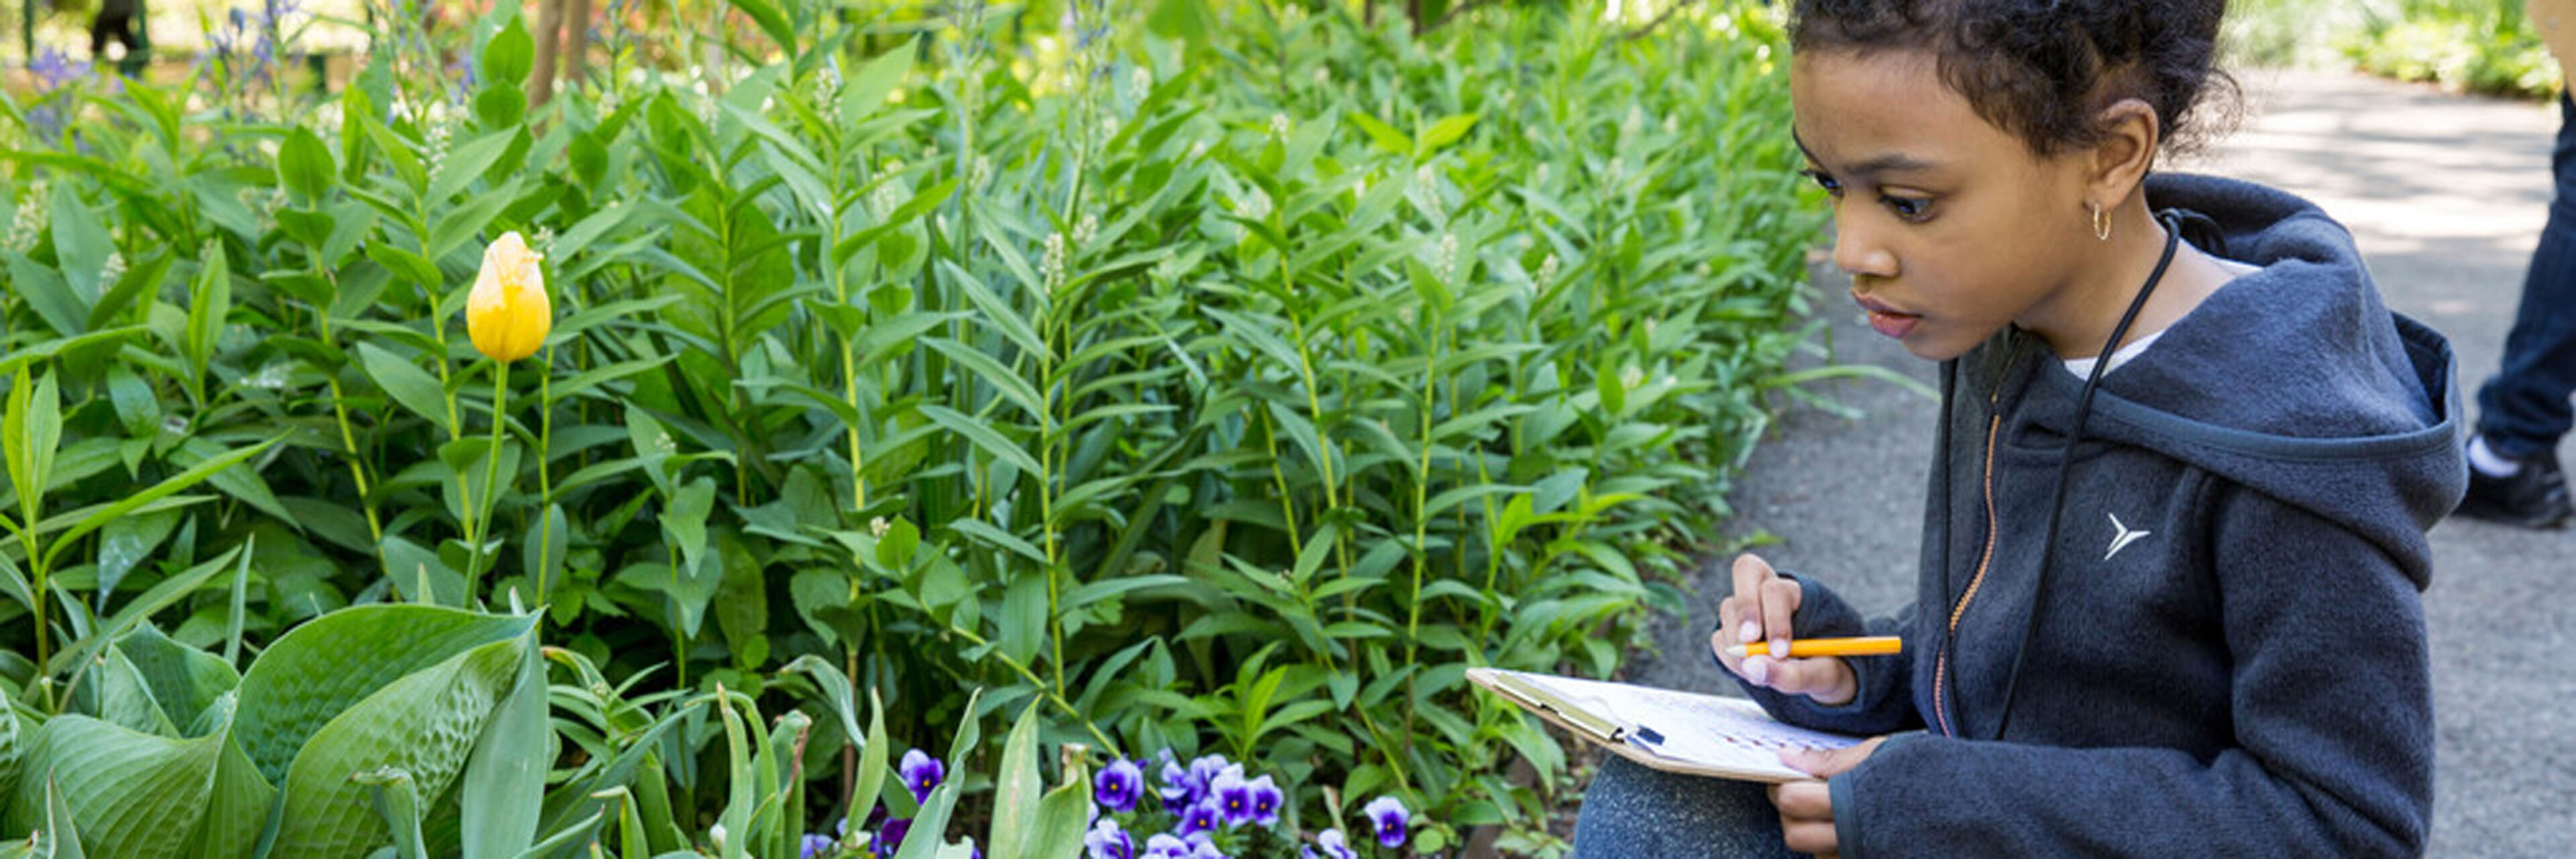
1660,728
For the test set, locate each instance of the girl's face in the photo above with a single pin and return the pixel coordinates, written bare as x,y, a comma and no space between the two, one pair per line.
1950,227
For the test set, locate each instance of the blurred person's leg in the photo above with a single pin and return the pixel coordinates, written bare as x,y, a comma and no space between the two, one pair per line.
2524,410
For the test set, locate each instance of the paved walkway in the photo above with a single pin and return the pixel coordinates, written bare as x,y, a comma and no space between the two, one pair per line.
2447,196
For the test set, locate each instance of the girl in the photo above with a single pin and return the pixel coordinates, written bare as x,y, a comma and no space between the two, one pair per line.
2174,541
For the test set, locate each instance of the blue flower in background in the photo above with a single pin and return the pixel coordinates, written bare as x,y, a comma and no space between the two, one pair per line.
1117,785
53,68
816,845
891,837
921,772
1386,814
1107,841
1266,800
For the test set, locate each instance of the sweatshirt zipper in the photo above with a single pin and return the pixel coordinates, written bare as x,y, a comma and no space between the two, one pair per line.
1941,665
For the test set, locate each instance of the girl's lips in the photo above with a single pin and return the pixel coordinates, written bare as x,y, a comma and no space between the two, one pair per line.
1887,320
1892,324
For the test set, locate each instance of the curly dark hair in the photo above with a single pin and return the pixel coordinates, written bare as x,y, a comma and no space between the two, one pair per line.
2044,69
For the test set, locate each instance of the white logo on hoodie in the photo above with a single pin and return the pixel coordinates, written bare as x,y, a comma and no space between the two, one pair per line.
2121,536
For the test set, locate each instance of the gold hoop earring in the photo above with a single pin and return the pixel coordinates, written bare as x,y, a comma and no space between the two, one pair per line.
2101,224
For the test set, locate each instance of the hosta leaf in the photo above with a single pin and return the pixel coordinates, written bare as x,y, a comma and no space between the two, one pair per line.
184,680
143,796
424,724
321,669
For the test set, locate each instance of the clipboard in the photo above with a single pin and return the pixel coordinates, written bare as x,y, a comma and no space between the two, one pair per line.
1681,732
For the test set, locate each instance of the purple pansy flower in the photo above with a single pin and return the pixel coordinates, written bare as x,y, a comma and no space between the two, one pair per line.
1203,817
1184,788
890,838
1117,785
1333,846
1266,800
922,772
1233,796
1165,846
1106,841
815,845
1387,816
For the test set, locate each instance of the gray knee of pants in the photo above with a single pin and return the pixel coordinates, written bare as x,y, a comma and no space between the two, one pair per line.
1633,812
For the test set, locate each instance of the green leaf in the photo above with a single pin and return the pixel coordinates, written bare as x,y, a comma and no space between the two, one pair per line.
470,159
406,382
305,166
1016,788
771,21
328,666
505,779
138,795
983,437
397,800
81,242
203,470
185,681
45,292
1443,133
424,723
30,433
509,55
210,302
865,93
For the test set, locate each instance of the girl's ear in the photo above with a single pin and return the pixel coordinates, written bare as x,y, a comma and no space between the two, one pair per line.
2119,163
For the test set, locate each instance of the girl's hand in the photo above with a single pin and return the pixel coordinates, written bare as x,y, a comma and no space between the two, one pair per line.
1760,611
1807,807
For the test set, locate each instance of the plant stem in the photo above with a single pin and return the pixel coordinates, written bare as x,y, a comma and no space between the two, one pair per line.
491,478
545,481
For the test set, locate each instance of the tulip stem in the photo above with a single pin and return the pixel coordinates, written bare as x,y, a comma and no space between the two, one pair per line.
474,565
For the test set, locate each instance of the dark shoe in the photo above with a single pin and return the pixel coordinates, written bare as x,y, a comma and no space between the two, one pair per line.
2534,497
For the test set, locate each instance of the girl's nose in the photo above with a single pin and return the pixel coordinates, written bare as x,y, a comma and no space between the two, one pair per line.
1857,250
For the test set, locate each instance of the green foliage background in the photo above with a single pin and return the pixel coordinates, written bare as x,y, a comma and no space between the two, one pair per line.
1231,384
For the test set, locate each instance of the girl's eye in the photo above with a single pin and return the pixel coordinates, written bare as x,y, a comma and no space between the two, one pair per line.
1909,208
1823,181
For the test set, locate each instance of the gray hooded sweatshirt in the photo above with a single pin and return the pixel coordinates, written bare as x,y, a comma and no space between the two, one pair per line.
2230,656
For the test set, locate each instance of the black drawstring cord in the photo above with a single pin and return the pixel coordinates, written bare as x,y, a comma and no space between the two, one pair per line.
2066,463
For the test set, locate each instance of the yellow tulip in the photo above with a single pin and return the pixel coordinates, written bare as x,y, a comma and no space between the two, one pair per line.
507,314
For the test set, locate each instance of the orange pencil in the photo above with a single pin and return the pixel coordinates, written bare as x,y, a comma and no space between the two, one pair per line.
1876,645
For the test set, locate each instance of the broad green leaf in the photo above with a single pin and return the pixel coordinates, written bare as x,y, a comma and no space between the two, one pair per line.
185,681
423,723
139,795
325,667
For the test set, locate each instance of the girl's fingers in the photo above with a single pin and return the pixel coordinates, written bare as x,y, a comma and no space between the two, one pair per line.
1779,600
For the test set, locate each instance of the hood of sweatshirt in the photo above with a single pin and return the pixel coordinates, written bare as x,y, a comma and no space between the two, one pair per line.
2293,380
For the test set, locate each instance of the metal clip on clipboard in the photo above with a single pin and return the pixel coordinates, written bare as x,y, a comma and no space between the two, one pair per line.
1600,727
